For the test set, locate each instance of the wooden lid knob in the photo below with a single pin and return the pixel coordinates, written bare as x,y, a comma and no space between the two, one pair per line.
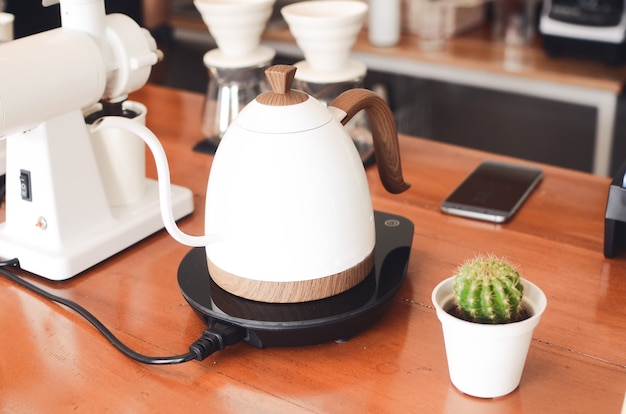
281,79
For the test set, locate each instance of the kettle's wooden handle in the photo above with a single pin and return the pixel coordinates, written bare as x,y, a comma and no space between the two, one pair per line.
384,132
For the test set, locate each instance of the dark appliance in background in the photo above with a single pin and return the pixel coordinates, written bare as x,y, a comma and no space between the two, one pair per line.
615,215
585,28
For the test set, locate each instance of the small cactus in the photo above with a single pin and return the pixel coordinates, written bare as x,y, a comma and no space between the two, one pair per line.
488,290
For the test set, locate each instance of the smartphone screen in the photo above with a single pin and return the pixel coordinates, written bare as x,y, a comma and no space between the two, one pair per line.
494,191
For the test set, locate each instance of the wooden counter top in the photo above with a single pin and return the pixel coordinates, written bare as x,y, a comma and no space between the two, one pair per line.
54,361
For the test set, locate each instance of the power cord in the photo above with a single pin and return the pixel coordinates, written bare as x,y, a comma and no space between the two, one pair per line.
215,338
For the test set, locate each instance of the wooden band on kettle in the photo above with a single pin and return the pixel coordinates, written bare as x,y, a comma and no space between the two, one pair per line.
292,292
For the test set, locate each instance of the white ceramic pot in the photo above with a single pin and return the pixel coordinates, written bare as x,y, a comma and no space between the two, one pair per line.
487,360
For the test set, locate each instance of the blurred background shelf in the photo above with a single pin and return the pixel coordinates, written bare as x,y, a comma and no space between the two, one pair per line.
476,93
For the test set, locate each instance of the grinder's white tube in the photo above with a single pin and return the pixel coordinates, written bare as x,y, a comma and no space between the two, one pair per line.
46,75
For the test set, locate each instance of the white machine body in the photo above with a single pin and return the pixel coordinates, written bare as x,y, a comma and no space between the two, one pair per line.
59,219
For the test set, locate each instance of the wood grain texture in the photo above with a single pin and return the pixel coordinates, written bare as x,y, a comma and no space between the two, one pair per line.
280,78
294,291
384,134
51,360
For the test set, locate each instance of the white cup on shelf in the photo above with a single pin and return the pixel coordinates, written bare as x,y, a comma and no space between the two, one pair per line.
6,27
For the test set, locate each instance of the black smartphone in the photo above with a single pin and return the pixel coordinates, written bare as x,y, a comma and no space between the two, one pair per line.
493,192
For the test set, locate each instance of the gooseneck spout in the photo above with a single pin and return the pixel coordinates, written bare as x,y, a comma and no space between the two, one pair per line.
384,132
163,173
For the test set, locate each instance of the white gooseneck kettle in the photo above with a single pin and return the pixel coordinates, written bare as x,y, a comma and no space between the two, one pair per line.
288,212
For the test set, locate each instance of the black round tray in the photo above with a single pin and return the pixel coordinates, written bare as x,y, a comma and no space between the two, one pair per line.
335,318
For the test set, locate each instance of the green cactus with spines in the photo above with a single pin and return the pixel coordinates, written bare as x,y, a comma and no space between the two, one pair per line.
488,290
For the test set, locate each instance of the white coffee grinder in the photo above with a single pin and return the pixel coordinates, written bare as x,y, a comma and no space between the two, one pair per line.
67,208
236,66
326,31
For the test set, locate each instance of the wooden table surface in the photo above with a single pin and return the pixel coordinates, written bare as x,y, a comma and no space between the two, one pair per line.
54,361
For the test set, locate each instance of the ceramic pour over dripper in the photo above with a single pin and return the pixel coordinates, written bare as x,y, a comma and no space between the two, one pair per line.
325,31
236,66
236,26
